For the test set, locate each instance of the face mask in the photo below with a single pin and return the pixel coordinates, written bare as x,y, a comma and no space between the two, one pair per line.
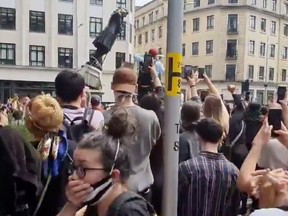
100,191
102,188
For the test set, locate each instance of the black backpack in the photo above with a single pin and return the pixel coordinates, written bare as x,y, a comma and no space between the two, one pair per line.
76,132
134,200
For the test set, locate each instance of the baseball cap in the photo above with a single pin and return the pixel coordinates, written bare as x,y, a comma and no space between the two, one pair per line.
124,80
95,100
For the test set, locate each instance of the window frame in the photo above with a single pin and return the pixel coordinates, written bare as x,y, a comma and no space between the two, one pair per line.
210,22
8,13
117,56
251,45
184,49
209,44
96,2
251,72
160,31
120,3
196,45
37,49
33,27
196,27
264,50
264,22
271,69
273,27
63,18
67,51
96,21
235,72
210,72
229,29
261,67
252,22
285,78
8,61
274,50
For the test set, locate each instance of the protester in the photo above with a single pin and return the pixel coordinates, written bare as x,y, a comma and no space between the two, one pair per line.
148,130
71,91
102,168
207,182
96,103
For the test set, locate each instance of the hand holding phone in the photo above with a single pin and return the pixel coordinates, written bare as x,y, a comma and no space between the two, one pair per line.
281,92
201,72
148,62
275,119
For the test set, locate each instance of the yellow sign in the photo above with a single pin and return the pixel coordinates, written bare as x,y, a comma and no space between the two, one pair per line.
173,74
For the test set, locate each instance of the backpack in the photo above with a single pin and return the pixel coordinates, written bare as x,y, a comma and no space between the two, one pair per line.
76,132
132,197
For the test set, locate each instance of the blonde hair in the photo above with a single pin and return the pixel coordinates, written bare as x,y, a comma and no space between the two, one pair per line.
212,108
43,115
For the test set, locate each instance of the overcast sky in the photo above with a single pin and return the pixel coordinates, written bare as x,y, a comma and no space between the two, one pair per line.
142,2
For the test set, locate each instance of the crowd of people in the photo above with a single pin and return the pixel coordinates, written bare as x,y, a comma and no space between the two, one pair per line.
80,159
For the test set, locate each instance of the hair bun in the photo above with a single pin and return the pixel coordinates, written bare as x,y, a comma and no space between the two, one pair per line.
120,124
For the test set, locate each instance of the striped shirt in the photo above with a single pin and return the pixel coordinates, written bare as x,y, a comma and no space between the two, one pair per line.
207,186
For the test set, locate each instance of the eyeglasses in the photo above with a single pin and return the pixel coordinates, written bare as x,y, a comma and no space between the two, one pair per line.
81,171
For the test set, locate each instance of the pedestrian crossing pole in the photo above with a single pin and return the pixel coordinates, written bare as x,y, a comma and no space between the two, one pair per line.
172,106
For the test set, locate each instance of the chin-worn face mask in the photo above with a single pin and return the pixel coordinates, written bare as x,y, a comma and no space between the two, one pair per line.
102,188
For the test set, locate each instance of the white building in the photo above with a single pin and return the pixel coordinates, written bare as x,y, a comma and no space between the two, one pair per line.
38,38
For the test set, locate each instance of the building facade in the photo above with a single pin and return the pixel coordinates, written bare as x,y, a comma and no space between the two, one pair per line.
39,38
234,40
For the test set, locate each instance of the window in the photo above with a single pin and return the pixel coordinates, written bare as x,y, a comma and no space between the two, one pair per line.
210,22
271,74
209,47
262,49
160,52
65,57
196,24
272,50
230,72
195,48
251,47
261,73
196,3
65,24
121,3
131,7
232,23
91,55
208,70
253,2
96,2
95,26
252,22
273,27
160,32
184,26
231,52
286,9
263,25
156,15
37,21
284,75
143,21
120,58
37,56
285,53
264,3
233,1
286,30
274,4
66,0
7,18
211,2
7,54
183,49
151,17
251,72
130,33
140,39
146,37
122,33
153,34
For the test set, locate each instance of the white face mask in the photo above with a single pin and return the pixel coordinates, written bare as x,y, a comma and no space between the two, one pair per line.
121,96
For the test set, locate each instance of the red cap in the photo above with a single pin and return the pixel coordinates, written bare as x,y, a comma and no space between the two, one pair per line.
153,52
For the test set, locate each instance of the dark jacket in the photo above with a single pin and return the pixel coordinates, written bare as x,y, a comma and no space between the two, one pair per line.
20,174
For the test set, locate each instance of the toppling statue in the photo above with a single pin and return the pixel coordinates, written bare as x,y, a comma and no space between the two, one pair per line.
92,70
107,37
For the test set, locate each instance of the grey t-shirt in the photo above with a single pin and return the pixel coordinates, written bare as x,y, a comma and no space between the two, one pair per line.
147,133
269,212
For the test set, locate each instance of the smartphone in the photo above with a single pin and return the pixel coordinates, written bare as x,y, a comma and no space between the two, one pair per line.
281,91
187,71
201,73
148,60
275,119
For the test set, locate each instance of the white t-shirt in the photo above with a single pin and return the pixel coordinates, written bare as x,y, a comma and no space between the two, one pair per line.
274,155
269,212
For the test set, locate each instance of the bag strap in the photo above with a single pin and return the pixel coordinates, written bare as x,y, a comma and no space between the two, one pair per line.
238,136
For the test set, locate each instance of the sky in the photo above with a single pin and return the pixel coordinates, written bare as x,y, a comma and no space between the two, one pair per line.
142,2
